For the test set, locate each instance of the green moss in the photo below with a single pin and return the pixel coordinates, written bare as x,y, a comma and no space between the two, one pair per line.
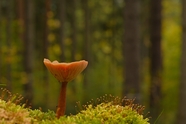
108,112
11,113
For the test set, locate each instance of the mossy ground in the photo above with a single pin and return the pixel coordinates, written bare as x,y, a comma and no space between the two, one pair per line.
106,112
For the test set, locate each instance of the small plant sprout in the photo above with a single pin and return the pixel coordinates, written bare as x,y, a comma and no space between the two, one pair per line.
64,73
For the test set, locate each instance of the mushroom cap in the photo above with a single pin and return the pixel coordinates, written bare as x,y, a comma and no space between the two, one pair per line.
65,72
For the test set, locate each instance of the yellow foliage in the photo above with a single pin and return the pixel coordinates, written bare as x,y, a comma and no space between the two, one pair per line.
51,37
56,49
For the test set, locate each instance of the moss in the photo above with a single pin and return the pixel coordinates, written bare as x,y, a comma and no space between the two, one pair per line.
13,114
107,111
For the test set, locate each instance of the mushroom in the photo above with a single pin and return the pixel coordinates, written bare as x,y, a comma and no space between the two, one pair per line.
64,73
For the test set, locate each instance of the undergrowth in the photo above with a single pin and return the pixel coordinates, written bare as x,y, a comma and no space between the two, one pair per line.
104,110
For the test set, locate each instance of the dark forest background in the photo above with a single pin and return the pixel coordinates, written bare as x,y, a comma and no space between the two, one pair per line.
135,48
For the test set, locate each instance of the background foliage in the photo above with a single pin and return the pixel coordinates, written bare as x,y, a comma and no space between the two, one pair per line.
105,69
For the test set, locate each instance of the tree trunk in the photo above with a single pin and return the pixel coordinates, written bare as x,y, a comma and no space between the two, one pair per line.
28,49
112,41
181,119
74,29
45,52
62,15
155,58
72,9
86,37
8,41
0,44
21,18
131,46
86,46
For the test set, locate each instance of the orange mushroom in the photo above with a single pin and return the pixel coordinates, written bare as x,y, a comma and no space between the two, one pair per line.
64,72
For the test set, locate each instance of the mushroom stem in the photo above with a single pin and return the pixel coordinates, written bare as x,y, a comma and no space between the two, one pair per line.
62,100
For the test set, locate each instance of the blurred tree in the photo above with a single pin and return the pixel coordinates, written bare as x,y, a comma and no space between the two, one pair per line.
73,18
113,30
181,119
74,28
145,52
28,49
131,49
45,50
20,11
5,42
62,18
86,42
8,14
0,42
155,58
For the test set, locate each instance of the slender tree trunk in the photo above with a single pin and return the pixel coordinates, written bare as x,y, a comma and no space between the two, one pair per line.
111,39
155,58
62,15
28,49
86,37
131,46
21,18
8,33
73,4
74,29
181,119
0,44
86,46
45,51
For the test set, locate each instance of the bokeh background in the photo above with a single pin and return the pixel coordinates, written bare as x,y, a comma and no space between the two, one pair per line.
135,48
